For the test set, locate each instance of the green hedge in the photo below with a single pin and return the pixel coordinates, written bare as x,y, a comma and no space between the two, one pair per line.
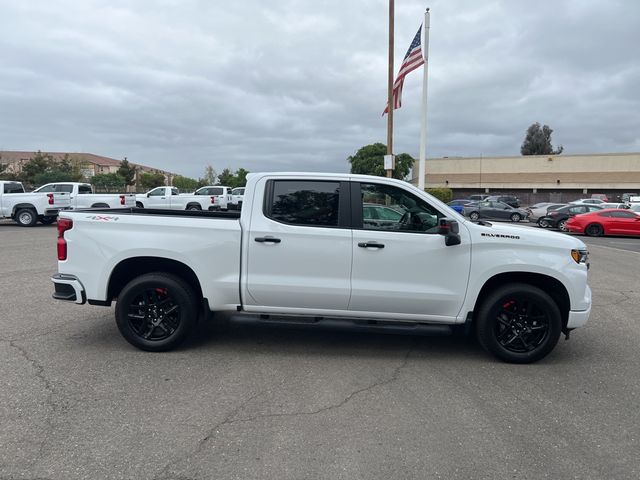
444,194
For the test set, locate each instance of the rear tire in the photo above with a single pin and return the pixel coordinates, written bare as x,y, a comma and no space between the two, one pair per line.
156,311
594,230
100,205
26,217
562,225
519,323
543,223
193,207
139,205
515,217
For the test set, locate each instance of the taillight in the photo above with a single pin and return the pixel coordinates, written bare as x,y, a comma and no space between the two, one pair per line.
64,224
122,202
213,199
50,195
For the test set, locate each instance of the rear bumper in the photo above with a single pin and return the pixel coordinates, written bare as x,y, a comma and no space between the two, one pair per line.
68,288
579,318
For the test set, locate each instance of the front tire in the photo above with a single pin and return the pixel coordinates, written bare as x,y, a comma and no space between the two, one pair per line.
515,217
562,225
193,207
594,230
474,216
543,223
139,205
26,217
519,323
156,311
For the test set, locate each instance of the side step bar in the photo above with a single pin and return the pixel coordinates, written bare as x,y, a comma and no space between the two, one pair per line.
354,325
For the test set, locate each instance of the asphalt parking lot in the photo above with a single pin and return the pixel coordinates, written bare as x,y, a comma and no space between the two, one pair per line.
245,402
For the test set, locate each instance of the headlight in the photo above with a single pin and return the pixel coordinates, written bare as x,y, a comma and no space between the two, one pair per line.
580,256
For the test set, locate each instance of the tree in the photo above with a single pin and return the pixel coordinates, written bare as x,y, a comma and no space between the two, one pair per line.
226,178
108,182
369,160
538,141
151,180
210,176
37,165
241,177
127,171
185,184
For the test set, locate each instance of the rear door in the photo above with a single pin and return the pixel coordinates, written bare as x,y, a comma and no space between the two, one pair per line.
299,247
624,223
403,266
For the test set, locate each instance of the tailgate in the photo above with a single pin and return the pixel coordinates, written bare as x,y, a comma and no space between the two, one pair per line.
60,200
128,200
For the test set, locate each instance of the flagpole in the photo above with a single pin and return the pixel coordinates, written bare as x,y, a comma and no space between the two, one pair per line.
423,129
390,88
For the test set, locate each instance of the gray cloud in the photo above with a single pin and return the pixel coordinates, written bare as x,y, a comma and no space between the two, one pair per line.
300,86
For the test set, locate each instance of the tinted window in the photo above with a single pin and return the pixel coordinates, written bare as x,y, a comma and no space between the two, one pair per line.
174,191
64,188
13,188
84,190
46,188
158,192
216,191
390,208
623,214
576,210
301,202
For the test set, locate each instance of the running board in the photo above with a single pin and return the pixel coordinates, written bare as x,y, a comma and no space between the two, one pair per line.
358,325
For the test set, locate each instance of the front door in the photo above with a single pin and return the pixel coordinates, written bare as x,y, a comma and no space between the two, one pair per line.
402,265
157,198
299,250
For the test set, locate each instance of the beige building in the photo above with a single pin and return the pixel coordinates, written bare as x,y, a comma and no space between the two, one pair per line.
90,164
536,176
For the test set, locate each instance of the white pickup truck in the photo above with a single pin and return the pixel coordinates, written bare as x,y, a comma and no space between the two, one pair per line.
170,198
220,196
82,196
26,209
303,250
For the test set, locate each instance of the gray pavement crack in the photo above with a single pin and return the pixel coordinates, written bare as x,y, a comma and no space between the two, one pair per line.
229,419
48,387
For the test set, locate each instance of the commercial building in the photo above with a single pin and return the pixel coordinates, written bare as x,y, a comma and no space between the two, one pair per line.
536,178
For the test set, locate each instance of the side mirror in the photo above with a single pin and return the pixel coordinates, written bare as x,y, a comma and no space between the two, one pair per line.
449,228
148,195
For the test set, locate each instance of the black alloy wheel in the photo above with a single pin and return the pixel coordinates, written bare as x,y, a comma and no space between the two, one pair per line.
519,323
156,311
594,230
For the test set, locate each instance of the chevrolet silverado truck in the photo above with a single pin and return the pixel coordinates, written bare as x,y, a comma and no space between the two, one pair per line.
301,250
170,198
82,196
220,196
26,209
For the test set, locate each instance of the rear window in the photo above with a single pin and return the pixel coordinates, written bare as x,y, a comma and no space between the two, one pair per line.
303,202
13,188
84,189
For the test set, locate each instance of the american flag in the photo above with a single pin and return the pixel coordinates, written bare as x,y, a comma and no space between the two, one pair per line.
412,60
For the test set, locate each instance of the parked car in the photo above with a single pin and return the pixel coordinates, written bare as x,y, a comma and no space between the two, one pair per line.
626,197
494,211
589,201
380,215
600,196
221,196
300,247
237,197
82,196
508,199
635,207
606,222
614,205
478,197
558,218
458,204
26,209
541,209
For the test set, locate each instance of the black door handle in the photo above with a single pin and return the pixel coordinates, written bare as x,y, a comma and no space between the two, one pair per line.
371,245
267,239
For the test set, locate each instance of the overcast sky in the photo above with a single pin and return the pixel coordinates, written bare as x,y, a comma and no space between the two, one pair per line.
300,85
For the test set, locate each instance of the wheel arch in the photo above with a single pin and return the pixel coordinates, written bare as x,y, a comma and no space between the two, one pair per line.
100,205
128,269
21,206
552,286
193,204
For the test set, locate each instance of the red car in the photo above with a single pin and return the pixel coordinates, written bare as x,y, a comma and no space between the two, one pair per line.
606,222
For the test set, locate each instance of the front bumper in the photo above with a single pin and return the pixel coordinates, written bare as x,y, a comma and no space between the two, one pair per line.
579,318
68,288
